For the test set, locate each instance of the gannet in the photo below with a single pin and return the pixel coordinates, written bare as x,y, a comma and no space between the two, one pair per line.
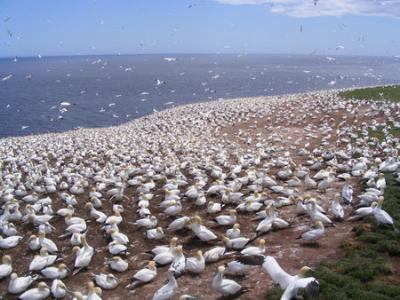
313,235
155,233
144,275
202,232
17,285
164,248
83,255
225,220
336,208
347,193
58,289
168,290
9,242
236,243
196,264
255,250
41,292
6,266
381,216
179,262
106,281
362,212
288,283
59,272
178,224
117,264
226,287
233,232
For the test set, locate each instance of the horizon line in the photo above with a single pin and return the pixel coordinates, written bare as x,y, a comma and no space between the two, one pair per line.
199,53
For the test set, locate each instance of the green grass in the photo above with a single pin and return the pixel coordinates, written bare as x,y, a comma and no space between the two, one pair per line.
388,93
380,135
363,272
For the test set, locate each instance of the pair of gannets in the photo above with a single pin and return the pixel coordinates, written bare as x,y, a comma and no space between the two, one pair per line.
83,255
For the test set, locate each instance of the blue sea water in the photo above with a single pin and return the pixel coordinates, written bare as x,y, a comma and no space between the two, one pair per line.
110,90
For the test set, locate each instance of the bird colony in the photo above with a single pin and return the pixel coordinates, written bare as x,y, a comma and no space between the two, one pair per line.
201,201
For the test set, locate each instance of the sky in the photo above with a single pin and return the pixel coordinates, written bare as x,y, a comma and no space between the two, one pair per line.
91,27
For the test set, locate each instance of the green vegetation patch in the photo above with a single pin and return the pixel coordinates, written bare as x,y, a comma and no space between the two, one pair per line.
363,272
388,93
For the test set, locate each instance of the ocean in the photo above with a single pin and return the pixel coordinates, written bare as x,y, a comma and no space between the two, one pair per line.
55,94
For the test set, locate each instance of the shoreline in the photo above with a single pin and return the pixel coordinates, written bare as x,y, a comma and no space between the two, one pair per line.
330,91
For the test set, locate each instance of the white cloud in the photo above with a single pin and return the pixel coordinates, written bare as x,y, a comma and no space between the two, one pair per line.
307,8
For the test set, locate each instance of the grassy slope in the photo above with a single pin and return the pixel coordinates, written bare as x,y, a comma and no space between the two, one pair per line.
390,93
365,270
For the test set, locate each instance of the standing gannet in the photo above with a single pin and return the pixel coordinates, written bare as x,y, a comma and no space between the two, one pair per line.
6,266
313,235
196,264
17,284
202,232
226,287
347,193
316,215
83,255
168,290
41,292
336,208
179,262
144,275
381,216
58,289
106,281
233,232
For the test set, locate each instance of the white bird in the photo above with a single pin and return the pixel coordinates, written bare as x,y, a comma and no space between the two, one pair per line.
225,220
41,292
17,284
226,287
179,262
233,232
362,212
106,281
59,272
336,208
381,216
196,264
117,264
347,193
168,290
58,289
6,266
313,235
144,275
9,242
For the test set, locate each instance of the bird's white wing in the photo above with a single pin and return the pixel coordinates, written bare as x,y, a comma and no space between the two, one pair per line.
310,284
277,274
